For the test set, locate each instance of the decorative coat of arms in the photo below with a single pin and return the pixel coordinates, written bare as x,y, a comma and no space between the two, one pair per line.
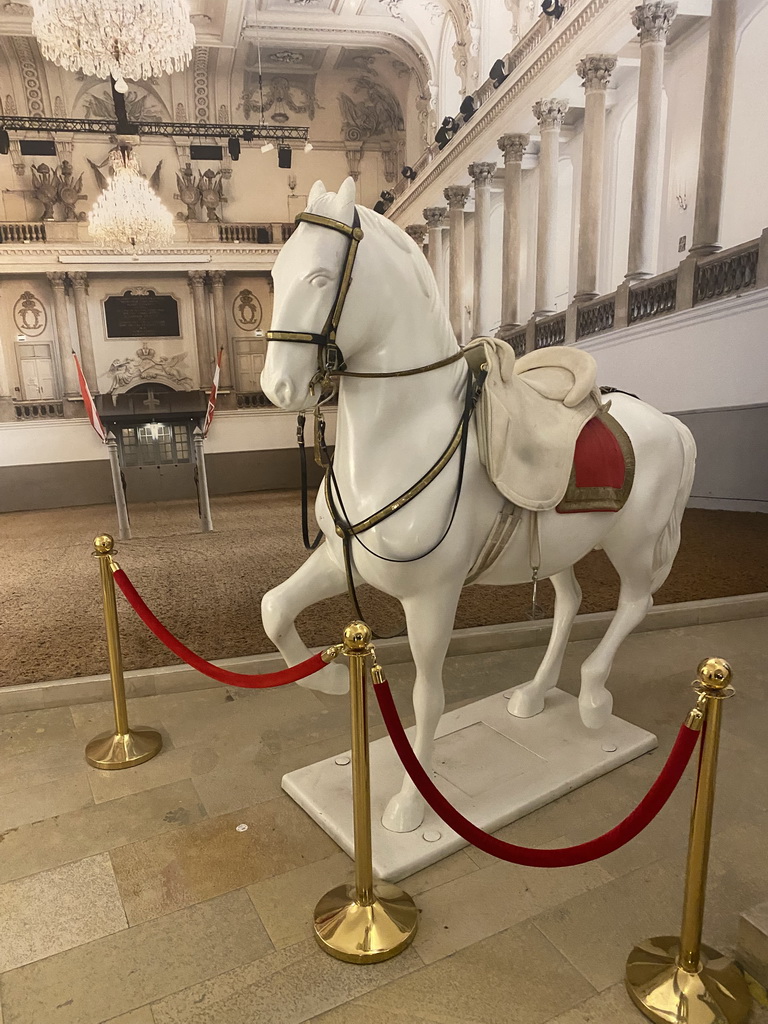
246,310
147,366
29,315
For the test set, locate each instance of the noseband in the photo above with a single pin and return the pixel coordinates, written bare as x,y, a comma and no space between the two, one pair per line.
329,356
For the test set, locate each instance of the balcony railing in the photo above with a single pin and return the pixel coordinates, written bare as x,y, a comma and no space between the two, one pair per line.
50,410
10,232
653,297
725,273
596,316
550,331
256,234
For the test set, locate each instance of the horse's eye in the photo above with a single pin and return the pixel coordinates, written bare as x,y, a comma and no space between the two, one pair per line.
319,280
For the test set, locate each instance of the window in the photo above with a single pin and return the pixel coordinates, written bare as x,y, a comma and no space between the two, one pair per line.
155,444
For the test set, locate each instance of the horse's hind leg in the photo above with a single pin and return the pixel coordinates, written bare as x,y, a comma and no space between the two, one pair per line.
430,621
319,577
528,699
634,566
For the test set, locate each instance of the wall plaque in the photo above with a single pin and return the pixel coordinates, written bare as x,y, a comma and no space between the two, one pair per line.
141,313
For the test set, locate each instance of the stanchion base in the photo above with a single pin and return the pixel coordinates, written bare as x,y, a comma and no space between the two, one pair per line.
667,994
365,935
123,750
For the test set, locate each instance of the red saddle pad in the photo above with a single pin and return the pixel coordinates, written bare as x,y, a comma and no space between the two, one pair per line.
603,468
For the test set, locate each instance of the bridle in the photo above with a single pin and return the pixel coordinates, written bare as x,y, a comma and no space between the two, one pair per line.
330,366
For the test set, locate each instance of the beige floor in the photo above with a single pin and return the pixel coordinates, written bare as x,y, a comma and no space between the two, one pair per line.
131,897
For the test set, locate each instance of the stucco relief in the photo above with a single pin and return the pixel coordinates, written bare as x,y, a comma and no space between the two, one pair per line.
246,310
29,315
146,365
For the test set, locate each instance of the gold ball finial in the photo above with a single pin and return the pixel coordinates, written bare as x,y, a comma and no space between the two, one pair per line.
715,673
103,544
357,636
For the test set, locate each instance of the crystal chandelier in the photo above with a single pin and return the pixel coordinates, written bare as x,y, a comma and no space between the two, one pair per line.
128,216
133,39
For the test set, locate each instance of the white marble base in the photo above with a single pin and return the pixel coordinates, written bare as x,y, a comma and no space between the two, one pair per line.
493,767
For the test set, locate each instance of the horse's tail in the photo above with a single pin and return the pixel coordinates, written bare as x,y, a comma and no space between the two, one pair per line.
669,539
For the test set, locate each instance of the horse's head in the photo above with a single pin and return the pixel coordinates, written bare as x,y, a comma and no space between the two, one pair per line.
307,275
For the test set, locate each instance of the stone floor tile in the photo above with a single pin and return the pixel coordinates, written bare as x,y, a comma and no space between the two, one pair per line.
516,977
96,829
121,972
613,1006
286,902
55,910
142,1016
25,806
47,763
357,1012
237,783
596,930
287,987
27,731
170,765
170,871
455,866
483,903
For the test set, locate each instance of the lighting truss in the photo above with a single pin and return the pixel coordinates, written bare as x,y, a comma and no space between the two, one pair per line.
176,129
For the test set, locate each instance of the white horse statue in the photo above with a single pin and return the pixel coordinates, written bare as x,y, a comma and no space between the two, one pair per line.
390,431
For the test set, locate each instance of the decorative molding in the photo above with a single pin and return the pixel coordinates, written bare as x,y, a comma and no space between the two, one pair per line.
200,77
513,145
456,196
549,113
435,216
595,69
653,20
481,173
30,75
29,315
246,310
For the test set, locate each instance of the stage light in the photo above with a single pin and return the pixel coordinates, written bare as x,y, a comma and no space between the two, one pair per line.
267,147
5,142
552,8
498,73
248,135
408,173
308,147
380,207
233,145
284,157
468,108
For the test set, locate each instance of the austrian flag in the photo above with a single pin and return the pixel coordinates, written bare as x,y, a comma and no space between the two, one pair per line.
90,406
212,398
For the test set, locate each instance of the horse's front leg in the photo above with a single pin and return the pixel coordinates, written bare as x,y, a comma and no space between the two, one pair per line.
430,618
319,577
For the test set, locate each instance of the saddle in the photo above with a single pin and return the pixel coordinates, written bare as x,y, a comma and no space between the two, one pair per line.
530,415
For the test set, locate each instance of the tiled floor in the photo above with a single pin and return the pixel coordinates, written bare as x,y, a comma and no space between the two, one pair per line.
131,897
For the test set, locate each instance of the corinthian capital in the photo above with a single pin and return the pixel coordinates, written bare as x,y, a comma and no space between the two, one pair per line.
456,196
435,216
652,20
196,278
58,278
218,276
79,279
550,113
418,233
513,147
596,70
481,173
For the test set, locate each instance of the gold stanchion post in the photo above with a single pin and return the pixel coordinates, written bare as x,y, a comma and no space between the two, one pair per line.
125,747
679,980
367,921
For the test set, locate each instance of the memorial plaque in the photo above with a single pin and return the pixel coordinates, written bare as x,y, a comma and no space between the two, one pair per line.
142,314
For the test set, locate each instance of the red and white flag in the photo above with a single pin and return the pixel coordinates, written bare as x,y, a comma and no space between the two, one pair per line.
90,406
212,397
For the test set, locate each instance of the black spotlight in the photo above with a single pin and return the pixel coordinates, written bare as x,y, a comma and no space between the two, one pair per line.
380,207
498,73
248,135
468,108
233,145
385,201
284,155
408,173
446,131
552,8
388,197
5,142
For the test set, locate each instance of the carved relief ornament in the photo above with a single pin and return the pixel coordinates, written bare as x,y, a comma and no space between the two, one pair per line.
653,20
595,69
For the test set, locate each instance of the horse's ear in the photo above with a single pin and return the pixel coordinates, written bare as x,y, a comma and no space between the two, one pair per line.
345,199
317,190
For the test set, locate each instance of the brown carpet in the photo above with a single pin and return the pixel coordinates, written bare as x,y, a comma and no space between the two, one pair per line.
207,588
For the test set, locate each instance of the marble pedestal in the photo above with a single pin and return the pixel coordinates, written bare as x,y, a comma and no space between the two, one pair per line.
493,767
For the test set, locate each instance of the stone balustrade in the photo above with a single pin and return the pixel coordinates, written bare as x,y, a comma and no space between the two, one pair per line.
11,232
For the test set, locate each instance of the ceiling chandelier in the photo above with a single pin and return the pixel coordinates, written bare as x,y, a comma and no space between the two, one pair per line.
128,216
134,39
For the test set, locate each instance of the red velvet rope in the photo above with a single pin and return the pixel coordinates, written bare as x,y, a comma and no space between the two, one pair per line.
566,856
222,675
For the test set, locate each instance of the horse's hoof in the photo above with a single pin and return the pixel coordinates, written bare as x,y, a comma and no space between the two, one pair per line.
333,679
596,710
403,814
526,701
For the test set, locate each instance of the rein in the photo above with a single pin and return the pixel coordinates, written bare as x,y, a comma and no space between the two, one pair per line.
330,366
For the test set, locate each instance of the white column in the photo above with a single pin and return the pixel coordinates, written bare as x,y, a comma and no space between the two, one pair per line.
222,336
79,281
513,147
204,355
715,126
549,114
204,501
596,70
121,505
435,218
481,175
652,21
63,335
456,196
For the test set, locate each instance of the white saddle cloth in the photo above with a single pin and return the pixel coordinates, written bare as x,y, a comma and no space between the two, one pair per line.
530,415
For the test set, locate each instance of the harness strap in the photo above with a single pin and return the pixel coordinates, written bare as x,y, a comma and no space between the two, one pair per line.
404,373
